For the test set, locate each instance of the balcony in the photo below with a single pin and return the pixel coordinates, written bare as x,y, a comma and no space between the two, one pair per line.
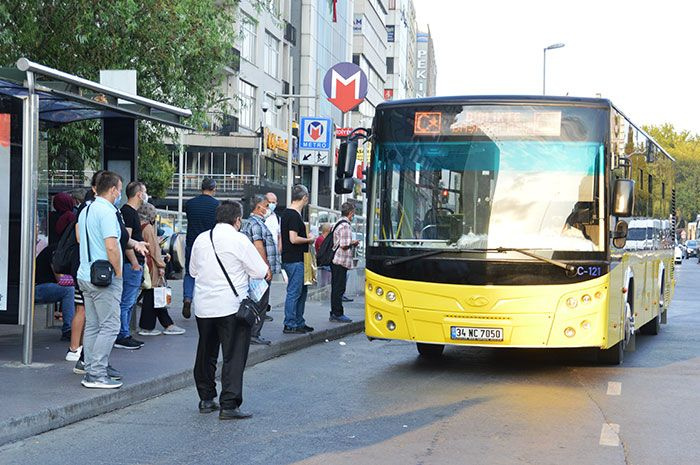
69,178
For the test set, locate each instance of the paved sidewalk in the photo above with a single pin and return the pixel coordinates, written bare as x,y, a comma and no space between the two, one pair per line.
48,395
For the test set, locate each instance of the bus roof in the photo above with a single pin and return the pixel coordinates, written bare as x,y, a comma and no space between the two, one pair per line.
498,98
505,99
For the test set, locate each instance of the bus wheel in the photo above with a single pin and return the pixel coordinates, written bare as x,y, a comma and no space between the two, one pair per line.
430,350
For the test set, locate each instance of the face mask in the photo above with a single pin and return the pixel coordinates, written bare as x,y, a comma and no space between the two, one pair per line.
272,207
118,199
267,213
144,197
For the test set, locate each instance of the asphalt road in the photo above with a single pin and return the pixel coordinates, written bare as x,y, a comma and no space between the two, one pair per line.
358,402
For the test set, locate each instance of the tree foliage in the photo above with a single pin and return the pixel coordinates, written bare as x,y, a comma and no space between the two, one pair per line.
684,146
179,49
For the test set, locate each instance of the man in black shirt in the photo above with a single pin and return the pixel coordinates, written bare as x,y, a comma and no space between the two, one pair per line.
294,243
133,263
47,290
201,216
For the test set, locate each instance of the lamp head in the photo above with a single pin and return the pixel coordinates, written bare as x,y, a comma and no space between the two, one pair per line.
264,107
553,46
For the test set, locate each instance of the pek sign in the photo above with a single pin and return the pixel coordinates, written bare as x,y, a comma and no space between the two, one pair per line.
345,85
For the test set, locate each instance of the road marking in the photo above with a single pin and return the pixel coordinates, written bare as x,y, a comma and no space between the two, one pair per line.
610,435
614,388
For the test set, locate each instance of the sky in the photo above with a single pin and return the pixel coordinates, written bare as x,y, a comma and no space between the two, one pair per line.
642,55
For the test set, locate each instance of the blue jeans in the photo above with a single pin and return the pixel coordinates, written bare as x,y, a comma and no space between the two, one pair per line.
131,286
296,295
187,280
49,293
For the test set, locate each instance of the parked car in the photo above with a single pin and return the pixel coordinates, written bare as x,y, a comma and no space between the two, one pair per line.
692,247
678,255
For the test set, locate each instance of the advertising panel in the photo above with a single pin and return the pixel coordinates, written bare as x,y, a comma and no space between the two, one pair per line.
4,206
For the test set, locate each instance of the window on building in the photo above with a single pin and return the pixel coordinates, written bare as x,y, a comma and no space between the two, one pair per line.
272,114
356,59
248,38
246,93
390,65
272,53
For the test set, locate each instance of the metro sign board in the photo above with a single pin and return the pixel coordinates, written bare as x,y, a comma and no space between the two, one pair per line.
315,133
345,85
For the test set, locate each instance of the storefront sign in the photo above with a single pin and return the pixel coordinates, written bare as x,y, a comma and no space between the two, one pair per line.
357,24
276,143
342,132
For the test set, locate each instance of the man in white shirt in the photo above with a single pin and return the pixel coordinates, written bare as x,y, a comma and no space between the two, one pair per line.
273,222
215,305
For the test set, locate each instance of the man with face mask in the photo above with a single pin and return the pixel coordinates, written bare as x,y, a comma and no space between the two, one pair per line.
133,263
273,222
98,234
262,239
294,244
215,305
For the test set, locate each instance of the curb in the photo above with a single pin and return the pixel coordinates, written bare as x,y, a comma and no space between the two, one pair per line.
17,429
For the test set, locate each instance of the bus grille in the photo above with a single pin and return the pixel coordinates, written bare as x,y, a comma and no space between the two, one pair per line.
479,317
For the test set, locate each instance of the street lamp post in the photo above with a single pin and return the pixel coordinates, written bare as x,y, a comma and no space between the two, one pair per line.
544,64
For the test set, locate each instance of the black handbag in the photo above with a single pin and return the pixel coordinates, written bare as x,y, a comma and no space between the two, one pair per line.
100,270
248,311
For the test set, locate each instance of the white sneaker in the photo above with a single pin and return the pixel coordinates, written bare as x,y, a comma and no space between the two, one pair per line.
149,332
174,330
74,356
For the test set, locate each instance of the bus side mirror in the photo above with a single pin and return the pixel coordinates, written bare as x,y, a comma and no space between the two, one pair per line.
623,198
620,234
347,154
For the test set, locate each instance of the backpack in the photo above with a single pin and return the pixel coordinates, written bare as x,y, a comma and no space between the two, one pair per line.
64,258
326,252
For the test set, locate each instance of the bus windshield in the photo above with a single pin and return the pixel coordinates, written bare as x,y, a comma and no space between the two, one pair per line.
479,176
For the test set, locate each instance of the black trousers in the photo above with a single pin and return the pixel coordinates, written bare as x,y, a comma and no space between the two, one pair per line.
339,276
149,313
234,339
263,306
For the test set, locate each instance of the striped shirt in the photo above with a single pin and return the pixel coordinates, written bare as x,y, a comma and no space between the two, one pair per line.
342,241
256,230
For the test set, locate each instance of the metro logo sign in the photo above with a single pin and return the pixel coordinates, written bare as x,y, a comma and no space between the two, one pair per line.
315,129
345,85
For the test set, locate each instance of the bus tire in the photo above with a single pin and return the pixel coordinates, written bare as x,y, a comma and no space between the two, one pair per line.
430,350
613,355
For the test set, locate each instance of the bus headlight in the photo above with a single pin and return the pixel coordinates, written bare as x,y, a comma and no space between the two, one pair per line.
586,299
377,316
379,291
572,302
585,324
569,332
391,296
390,325
370,288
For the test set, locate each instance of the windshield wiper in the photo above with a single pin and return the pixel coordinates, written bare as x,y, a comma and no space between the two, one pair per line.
565,266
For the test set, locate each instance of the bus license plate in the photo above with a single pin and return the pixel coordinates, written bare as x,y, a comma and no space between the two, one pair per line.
477,334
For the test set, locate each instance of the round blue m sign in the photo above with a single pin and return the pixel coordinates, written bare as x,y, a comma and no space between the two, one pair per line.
345,85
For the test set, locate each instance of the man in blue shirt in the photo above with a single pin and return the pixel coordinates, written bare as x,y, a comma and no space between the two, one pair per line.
99,233
201,216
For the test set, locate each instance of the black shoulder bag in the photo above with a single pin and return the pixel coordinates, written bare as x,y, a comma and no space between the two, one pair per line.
248,311
100,270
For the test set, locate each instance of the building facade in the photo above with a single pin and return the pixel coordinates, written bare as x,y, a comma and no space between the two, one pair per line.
401,50
426,68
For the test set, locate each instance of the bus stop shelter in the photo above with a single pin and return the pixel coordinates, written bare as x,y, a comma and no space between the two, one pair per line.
32,94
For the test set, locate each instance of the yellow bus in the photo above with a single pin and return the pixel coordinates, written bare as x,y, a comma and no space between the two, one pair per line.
502,222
